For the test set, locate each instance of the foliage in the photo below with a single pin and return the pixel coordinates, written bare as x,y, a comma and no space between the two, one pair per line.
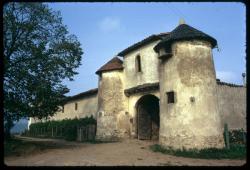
237,136
38,54
235,152
65,129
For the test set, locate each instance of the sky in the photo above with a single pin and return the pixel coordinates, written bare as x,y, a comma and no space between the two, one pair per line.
105,29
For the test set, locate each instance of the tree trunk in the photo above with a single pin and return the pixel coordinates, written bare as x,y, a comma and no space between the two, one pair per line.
8,125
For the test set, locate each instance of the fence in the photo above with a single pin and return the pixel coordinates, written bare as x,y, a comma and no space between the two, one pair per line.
83,129
86,133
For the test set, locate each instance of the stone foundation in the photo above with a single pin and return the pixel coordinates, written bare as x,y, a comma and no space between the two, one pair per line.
108,129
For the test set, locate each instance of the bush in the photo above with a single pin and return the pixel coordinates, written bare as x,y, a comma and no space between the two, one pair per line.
65,129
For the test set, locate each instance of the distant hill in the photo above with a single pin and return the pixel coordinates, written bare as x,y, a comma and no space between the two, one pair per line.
20,126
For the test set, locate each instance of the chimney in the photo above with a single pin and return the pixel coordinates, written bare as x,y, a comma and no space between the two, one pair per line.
244,79
181,21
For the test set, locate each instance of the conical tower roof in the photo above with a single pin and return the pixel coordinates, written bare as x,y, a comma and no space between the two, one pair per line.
114,64
185,32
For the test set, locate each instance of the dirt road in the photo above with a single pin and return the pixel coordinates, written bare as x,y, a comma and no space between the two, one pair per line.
127,153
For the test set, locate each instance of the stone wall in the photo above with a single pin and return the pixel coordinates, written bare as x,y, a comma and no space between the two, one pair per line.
149,66
232,106
112,118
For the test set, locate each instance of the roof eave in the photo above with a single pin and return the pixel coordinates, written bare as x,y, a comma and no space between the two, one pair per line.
141,43
101,71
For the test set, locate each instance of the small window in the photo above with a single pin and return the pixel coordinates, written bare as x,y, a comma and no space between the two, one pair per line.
168,49
63,109
170,97
138,63
75,106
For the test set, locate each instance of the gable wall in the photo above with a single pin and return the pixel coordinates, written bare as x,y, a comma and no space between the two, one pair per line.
149,66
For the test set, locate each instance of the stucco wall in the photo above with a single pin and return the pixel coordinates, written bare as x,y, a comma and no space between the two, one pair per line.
149,66
232,106
190,73
87,106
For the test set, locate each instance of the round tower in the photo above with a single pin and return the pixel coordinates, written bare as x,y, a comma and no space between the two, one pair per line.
188,102
111,116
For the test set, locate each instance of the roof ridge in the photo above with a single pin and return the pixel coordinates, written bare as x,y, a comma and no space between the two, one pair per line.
148,39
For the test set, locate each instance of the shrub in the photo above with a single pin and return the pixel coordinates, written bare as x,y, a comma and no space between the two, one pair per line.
236,151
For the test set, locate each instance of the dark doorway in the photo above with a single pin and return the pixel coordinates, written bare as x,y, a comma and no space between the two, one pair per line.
148,121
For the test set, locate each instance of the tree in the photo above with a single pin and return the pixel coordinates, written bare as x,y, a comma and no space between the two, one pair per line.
39,54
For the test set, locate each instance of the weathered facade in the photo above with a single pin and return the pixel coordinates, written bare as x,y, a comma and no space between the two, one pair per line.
163,88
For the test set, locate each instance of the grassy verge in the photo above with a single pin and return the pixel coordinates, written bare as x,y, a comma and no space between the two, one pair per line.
235,152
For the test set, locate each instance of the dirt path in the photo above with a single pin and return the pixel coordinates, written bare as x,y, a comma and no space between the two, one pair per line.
128,153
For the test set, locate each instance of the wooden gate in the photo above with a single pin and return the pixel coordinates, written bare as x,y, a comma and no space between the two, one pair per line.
86,133
144,123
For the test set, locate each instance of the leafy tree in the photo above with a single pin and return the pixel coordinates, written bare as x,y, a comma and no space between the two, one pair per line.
39,54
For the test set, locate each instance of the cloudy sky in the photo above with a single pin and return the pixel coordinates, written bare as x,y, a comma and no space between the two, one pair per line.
105,29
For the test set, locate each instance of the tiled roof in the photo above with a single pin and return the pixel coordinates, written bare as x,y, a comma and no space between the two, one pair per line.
143,42
185,32
82,95
114,64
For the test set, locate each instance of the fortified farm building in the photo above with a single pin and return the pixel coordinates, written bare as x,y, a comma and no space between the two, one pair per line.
162,88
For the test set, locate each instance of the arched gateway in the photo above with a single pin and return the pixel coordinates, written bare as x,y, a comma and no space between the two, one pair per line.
147,119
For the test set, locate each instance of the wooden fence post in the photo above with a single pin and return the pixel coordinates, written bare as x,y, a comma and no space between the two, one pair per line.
244,136
226,134
52,132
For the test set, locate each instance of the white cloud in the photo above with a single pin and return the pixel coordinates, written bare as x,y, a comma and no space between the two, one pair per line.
110,24
227,76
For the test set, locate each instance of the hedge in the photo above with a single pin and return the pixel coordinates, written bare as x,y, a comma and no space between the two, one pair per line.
64,129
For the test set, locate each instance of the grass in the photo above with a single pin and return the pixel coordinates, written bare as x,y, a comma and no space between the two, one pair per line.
236,151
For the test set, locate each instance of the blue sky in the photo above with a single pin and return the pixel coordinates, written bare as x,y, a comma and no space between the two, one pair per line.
105,29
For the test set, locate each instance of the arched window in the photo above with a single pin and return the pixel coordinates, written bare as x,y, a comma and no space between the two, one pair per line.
138,63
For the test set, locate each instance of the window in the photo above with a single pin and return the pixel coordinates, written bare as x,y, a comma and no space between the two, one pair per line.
62,109
138,63
168,49
75,106
170,97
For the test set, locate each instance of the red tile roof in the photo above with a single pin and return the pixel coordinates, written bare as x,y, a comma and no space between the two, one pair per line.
88,93
114,64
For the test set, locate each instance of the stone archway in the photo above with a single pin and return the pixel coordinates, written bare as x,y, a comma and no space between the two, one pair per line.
147,119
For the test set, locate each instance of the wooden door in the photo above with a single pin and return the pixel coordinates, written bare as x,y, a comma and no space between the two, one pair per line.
144,123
